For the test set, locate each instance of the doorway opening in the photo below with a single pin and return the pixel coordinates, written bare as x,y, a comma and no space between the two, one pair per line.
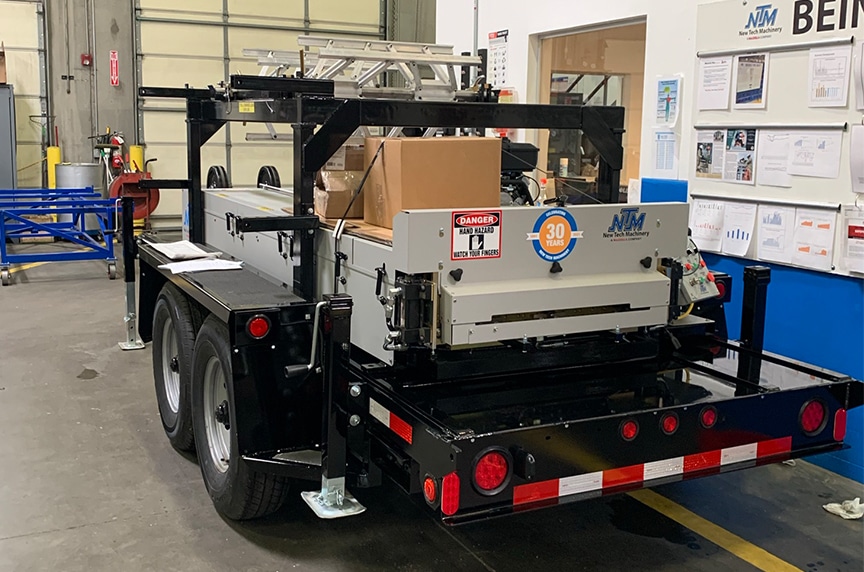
595,67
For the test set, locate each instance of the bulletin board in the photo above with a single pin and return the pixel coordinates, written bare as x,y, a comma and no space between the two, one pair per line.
741,30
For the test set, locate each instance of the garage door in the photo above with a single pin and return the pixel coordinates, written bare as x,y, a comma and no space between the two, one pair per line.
201,44
22,32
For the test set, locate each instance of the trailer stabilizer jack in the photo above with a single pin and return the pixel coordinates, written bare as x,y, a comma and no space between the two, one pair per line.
332,501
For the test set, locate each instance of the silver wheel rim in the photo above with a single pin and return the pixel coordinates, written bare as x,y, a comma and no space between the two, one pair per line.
215,393
170,378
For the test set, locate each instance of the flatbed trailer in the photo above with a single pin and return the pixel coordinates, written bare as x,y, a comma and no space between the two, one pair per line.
275,373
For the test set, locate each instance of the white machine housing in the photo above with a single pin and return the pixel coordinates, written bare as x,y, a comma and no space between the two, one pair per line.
608,281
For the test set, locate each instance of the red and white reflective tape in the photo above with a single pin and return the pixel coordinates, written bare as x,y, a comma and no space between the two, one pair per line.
391,420
642,472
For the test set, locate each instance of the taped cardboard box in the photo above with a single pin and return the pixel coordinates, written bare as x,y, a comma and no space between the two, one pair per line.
333,192
347,158
436,173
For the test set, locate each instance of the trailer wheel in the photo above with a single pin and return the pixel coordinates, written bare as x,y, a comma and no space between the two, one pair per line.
237,491
217,178
173,344
268,175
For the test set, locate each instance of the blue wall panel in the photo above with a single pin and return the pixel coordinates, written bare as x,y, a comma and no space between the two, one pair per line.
813,317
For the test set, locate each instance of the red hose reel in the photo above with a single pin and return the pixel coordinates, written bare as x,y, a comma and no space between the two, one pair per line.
127,185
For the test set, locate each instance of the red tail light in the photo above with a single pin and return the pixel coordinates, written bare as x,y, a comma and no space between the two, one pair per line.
813,417
430,490
629,430
491,471
708,417
258,326
669,423
450,494
840,425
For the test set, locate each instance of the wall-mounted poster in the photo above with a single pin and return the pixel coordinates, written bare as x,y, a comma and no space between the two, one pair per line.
726,154
751,81
668,101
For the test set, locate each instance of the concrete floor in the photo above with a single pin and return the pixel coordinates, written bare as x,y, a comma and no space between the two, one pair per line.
88,481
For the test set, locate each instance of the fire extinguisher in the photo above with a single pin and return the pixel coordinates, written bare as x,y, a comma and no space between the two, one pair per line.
117,161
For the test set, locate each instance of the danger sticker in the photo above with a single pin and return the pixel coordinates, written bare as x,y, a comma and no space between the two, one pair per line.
554,235
476,235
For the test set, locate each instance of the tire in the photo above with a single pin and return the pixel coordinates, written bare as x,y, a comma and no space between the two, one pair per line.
217,178
173,346
274,176
237,491
268,175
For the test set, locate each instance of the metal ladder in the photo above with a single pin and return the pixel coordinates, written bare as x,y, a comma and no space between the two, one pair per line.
356,67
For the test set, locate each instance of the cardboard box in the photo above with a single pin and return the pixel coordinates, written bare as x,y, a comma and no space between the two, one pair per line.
347,158
3,78
333,192
436,173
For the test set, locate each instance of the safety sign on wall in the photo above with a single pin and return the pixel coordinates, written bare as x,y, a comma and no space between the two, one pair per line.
554,235
498,56
114,68
476,235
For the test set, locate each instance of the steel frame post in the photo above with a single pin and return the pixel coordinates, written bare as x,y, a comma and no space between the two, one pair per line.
193,173
756,280
304,205
198,131
333,500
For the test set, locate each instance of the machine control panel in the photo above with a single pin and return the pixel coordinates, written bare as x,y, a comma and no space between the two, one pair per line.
698,282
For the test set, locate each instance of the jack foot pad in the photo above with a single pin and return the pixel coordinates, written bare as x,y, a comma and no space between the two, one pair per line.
350,506
127,346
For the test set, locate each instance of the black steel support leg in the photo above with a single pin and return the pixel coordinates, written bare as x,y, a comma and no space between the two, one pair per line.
337,313
756,280
130,253
333,500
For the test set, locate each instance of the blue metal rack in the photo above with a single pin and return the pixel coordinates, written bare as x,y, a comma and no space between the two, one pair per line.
17,204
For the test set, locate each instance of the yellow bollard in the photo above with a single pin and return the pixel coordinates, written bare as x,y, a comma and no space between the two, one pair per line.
54,158
136,158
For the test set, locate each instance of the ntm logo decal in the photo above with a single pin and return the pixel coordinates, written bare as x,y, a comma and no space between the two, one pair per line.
627,225
629,220
762,17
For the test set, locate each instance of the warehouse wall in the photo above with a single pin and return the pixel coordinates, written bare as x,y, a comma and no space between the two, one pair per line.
167,43
22,32
812,317
201,43
669,43
82,100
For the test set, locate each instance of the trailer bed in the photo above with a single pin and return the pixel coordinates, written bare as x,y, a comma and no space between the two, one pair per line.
224,291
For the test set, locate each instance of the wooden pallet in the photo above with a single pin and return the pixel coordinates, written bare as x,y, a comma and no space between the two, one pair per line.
38,239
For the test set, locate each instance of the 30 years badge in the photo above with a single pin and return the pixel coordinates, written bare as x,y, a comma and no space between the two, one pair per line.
555,234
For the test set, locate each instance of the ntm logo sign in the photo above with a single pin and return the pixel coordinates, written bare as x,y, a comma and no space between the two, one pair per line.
762,17
629,220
